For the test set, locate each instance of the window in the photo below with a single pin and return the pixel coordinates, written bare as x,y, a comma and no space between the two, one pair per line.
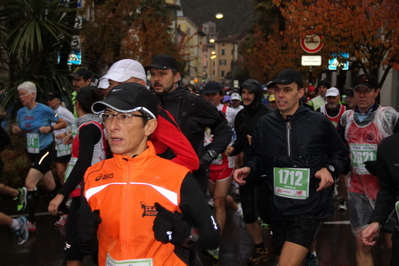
223,52
222,73
222,62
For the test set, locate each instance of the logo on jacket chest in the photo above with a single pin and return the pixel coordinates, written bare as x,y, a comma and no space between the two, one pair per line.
104,176
148,210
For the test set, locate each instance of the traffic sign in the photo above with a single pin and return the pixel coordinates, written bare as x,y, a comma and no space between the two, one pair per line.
311,60
312,43
333,63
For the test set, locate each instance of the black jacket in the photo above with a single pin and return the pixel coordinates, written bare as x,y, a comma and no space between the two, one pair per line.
306,139
193,114
388,177
244,124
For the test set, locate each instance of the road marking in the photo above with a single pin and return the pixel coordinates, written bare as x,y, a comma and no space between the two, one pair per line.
338,222
25,214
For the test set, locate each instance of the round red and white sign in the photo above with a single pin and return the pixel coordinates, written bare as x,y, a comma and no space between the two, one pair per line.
312,43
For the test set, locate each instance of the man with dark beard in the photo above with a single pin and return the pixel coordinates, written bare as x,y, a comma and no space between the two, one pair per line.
193,114
246,119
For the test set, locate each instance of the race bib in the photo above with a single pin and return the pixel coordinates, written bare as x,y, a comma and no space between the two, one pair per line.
218,160
138,262
361,153
63,149
74,129
291,182
71,164
32,142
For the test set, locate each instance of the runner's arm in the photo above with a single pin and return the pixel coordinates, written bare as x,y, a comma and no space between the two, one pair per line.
88,136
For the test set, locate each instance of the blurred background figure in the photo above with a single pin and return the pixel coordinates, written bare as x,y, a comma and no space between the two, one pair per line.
311,92
226,100
236,101
272,101
191,88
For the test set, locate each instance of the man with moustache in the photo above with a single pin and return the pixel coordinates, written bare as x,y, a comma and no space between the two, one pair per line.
193,114
81,77
298,153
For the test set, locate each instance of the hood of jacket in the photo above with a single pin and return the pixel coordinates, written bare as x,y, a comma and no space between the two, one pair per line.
87,118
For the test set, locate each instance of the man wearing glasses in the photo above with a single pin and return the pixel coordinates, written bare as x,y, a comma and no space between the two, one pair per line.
365,126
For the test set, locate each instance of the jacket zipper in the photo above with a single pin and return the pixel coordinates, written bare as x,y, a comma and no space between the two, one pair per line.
288,125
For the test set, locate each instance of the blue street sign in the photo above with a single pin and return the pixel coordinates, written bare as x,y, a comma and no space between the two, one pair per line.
333,63
74,58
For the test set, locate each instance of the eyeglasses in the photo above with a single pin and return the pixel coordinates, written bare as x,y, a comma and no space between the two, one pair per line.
359,91
124,118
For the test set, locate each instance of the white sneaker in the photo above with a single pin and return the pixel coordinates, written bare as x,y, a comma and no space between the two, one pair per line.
22,233
62,221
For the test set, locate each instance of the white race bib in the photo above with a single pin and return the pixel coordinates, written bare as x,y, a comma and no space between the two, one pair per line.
63,149
32,142
291,182
361,153
138,262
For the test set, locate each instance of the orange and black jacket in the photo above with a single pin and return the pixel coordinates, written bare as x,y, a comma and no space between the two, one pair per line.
125,189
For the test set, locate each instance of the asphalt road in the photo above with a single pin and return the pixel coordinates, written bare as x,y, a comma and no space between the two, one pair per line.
336,244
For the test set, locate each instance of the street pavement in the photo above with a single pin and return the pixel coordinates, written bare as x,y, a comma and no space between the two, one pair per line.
335,245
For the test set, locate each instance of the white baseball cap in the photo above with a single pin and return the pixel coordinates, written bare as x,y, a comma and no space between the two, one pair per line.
125,69
103,84
332,92
235,96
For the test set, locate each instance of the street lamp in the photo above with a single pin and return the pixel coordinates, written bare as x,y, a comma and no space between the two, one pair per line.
219,15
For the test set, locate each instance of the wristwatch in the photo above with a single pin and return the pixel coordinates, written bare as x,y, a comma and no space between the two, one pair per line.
330,168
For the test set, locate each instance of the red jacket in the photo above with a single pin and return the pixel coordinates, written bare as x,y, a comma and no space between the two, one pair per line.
168,135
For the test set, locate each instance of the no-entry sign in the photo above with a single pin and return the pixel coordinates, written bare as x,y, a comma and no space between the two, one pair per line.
312,43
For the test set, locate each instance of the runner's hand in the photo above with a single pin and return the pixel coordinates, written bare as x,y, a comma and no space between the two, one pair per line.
370,233
229,151
169,227
15,129
55,203
240,174
325,177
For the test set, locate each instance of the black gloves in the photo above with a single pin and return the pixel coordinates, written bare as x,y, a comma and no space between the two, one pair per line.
169,227
87,231
208,157
371,166
205,160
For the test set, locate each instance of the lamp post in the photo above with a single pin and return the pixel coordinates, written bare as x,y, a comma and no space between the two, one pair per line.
219,15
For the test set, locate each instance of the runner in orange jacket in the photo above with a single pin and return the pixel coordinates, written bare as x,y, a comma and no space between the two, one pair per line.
139,207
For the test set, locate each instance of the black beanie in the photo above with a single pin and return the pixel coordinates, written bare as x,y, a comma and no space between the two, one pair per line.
323,82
